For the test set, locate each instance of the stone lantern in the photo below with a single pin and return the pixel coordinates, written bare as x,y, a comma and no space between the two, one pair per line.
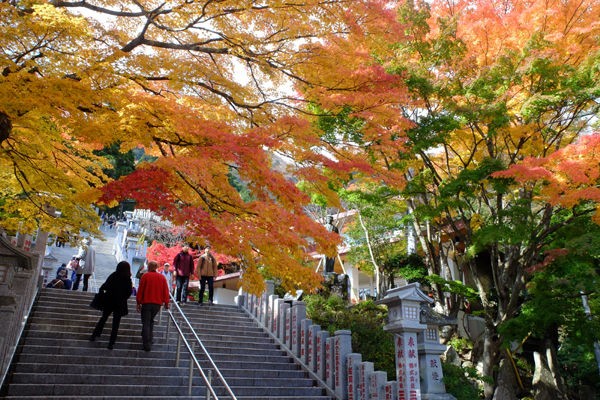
410,337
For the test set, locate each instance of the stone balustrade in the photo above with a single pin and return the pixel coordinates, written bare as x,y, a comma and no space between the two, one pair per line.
330,360
21,275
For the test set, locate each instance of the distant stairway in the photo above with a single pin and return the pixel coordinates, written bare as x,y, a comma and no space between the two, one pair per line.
55,360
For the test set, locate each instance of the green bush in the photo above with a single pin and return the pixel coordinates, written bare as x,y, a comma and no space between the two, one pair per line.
579,368
365,320
459,382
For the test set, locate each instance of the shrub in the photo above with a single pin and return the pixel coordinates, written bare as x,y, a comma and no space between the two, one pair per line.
365,320
459,382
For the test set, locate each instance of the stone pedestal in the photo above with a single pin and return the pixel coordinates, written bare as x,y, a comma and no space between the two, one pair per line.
407,366
432,376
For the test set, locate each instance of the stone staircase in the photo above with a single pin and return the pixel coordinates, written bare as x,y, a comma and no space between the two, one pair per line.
253,366
55,359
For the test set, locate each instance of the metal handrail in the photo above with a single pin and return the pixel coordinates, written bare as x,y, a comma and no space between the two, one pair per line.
191,351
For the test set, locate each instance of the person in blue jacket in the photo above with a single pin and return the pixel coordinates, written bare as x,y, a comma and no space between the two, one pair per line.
62,280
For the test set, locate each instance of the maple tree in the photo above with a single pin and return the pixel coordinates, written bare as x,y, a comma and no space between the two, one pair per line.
493,147
205,88
47,95
512,82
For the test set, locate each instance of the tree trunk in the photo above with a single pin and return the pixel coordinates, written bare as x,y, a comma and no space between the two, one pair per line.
547,382
490,359
5,127
375,265
507,386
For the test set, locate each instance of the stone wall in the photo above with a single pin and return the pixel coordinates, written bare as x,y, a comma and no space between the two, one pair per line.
21,277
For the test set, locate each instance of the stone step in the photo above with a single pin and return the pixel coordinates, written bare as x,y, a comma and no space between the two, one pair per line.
63,397
76,377
260,392
141,359
159,340
84,331
132,397
58,369
160,334
162,371
219,319
131,388
73,376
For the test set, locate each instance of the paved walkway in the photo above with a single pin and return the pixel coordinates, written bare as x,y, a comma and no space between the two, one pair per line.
106,262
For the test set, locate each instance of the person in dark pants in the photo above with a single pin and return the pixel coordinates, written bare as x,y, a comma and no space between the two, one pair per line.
207,268
117,289
184,267
152,293
87,263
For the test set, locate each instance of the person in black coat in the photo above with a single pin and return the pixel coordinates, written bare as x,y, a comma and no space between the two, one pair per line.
117,289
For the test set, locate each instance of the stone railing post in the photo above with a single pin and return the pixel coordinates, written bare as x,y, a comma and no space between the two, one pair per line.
329,365
275,317
311,347
320,353
305,326
342,346
377,381
270,312
298,314
365,368
255,305
263,304
287,327
283,325
250,304
353,361
391,390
